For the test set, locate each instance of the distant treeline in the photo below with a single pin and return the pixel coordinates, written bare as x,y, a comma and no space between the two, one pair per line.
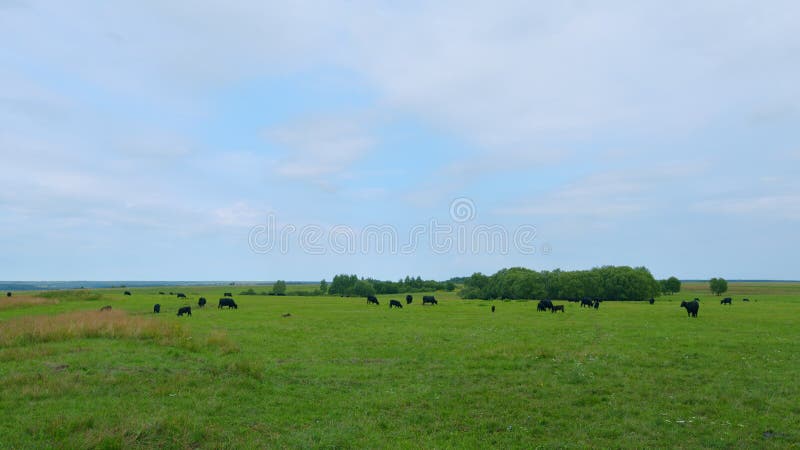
604,283
352,286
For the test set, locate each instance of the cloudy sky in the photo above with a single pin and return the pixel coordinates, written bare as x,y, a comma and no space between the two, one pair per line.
266,140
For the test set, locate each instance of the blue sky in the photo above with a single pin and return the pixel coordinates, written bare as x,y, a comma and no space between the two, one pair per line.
152,140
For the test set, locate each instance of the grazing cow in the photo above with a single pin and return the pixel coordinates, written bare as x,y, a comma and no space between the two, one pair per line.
395,304
371,299
744,299
726,301
652,300
585,302
156,308
106,308
544,305
429,299
8,294
558,308
596,303
227,294
185,310
691,307
227,302
126,293
160,293
492,308
201,302
409,299
286,315
181,295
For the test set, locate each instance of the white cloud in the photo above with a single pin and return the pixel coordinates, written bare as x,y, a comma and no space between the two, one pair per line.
507,76
319,148
240,214
610,194
767,207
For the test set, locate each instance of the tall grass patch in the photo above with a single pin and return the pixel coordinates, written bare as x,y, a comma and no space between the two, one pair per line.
87,324
23,301
72,295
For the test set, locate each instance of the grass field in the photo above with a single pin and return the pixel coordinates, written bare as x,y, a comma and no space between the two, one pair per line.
339,373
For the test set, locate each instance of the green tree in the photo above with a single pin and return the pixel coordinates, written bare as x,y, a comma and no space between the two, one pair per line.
342,285
363,288
323,286
671,285
279,288
718,285
474,286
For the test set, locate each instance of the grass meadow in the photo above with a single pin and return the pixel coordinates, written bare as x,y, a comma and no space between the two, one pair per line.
340,374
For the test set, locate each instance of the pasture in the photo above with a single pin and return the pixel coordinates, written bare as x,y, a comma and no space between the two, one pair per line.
339,373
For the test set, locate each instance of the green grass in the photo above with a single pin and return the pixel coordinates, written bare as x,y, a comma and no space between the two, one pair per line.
339,373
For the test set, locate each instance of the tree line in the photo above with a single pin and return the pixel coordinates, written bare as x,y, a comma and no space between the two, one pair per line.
604,283
352,286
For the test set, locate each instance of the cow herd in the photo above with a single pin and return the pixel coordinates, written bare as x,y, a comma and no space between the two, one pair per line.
547,305
225,302
692,307
426,300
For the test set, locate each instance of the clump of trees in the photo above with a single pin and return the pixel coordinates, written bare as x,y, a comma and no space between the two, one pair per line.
670,286
605,283
279,288
718,285
352,286
323,287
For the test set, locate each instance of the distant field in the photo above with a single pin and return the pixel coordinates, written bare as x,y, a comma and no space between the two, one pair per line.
339,373
745,288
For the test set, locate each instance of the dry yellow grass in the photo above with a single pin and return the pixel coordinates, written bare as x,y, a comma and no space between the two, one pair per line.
113,324
86,324
20,301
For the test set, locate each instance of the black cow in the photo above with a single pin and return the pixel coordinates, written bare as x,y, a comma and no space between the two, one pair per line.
156,308
726,301
691,307
227,302
544,305
492,308
744,299
227,294
395,304
596,303
160,293
181,295
429,299
558,308
585,302
185,310
171,293
201,302
8,294
126,293
371,299
409,299
652,300
106,308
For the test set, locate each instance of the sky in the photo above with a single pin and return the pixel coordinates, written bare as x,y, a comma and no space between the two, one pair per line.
264,140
